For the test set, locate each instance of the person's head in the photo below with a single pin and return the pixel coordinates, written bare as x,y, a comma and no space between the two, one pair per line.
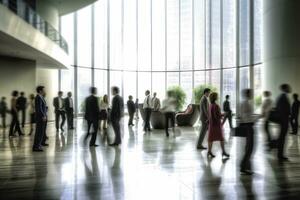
93,90
105,98
41,90
147,92
15,93
31,96
154,94
22,94
206,92
286,88
267,94
69,94
3,98
295,96
115,90
60,93
130,97
213,97
247,94
137,100
227,97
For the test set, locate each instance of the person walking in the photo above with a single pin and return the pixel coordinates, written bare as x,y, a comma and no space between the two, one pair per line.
215,132
148,109
3,111
295,114
59,109
69,107
15,124
266,108
131,110
169,108
228,112
22,105
204,106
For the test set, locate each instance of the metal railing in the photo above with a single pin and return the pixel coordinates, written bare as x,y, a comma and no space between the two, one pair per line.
23,10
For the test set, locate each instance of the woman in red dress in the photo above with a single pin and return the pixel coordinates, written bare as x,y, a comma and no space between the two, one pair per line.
215,132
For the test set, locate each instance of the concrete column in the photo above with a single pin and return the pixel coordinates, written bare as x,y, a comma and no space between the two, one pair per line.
281,44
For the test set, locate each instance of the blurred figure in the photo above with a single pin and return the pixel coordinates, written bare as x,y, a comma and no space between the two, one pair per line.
137,108
204,116
22,105
148,109
15,124
92,114
247,120
266,108
59,109
227,110
116,114
41,120
215,132
283,107
169,108
3,111
131,110
295,114
104,106
69,107
31,105
155,102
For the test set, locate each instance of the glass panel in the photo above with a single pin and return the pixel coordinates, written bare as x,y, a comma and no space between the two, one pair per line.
215,79
172,79
130,35
186,17
244,78
257,30
130,86
186,82
84,84
100,43
116,79
101,81
144,35
207,35
67,31
199,78
199,40
159,84
67,80
215,34
115,25
229,34
229,86
172,34
244,33
158,35
84,37
257,86
144,80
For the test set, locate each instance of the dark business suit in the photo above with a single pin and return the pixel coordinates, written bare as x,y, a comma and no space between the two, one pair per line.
21,105
228,113
283,108
69,111
92,115
204,104
117,112
59,112
40,115
131,111
294,116
3,111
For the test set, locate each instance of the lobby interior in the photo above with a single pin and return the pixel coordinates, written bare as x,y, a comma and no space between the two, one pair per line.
139,45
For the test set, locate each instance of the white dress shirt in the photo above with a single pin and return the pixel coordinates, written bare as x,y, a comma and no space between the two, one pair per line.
147,102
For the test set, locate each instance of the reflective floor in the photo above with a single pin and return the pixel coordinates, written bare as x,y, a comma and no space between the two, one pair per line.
146,166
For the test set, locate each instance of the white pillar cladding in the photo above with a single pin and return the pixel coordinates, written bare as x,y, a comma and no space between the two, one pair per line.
281,56
47,10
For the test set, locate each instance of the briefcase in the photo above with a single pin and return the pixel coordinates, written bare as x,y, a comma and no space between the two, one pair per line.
239,131
274,116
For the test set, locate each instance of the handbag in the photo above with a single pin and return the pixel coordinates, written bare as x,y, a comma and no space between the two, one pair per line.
274,116
239,131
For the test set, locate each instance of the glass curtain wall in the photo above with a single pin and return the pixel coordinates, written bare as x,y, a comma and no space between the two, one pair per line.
154,44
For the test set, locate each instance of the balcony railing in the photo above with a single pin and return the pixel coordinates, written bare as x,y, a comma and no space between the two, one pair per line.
23,10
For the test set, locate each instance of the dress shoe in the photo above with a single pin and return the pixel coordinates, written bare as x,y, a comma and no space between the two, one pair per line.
94,145
114,144
209,154
37,150
283,158
45,144
201,147
225,154
246,172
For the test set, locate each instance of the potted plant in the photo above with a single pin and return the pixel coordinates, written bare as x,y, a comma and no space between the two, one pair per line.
198,91
178,93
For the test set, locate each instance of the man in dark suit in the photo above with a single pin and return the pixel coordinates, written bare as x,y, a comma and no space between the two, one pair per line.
22,105
131,110
41,120
295,114
69,110
148,109
59,109
116,114
227,110
283,108
3,111
92,114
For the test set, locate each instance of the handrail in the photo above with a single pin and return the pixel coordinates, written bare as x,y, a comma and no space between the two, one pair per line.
23,10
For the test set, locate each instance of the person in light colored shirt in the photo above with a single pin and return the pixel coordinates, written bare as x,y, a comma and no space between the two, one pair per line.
155,102
148,109
104,106
265,110
169,108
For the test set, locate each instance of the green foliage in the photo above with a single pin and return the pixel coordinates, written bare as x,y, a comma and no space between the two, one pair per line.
178,93
258,100
198,91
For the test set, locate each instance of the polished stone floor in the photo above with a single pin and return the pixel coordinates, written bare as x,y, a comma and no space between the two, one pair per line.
146,166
